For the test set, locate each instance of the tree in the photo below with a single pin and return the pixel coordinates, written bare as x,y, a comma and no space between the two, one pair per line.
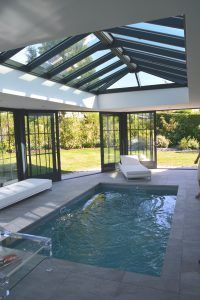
78,130
177,125
31,53
90,130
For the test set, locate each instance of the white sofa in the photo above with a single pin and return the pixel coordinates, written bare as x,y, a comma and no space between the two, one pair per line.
132,168
21,190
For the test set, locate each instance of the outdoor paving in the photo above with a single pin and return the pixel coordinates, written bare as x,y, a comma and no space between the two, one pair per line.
57,279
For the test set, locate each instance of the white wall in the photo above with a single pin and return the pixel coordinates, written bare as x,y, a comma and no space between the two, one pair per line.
145,100
21,90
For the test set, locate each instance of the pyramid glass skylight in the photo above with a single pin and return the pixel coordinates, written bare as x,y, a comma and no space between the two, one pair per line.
132,56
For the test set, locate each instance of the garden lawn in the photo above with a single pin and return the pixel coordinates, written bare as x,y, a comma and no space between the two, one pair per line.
89,159
176,158
80,159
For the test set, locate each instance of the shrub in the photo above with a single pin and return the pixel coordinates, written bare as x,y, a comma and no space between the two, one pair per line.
193,144
138,144
188,143
78,130
183,144
162,141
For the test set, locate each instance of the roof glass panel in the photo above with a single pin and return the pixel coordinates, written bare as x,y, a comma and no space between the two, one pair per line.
107,63
112,72
31,52
147,42
148,79
82,63
98,68
104,76
151,53
89,83
159,28
75,49
74,81
97,88
129,80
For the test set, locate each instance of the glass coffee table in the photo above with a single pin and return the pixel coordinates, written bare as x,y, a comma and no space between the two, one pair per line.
19,254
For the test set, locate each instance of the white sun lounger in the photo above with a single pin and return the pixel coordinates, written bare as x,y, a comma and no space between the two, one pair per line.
21,190
132,168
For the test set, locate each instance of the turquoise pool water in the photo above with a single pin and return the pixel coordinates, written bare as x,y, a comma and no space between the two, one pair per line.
126,228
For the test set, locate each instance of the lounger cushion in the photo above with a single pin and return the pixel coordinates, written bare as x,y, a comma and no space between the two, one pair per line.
129,160
18,191
136,171
132,168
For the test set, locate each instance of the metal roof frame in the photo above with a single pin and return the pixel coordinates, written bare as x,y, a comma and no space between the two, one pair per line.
108,78
166,75
99,73
4,56
87,68
111,82
158,66
168,52
156,58
149,35
173,22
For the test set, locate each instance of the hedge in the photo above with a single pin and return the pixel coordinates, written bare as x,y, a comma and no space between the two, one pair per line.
178,125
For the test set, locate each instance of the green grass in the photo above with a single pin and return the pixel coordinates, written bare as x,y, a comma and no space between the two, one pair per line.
88,159
176,158
80,159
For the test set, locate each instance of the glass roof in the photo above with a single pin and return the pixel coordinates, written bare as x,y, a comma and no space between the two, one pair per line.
148,79
104,77
128,80
70,52
159,28
129,38
95,70
83,63
110,59
144,53
31,52
111,72
107,63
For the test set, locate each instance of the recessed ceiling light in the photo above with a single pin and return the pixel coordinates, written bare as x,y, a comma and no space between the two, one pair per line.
48,83
28,77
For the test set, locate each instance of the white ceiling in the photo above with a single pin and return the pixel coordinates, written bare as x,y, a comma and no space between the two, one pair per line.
25,22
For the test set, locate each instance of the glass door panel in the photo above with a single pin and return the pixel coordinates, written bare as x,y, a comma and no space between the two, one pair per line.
41,147
141,137
8,162
110,141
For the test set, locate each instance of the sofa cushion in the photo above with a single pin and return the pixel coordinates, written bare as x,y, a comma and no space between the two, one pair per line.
18,191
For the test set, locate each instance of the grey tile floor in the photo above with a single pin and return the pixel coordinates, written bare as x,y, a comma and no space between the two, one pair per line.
57,279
